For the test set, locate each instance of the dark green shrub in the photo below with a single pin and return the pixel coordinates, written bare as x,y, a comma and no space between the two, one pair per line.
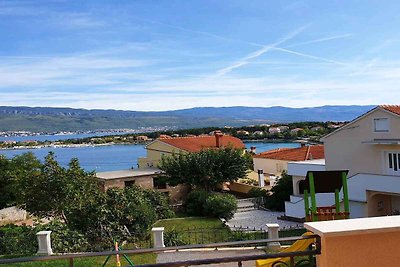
280,193
194,204
173,238
257,192
220,206
17,240
63,239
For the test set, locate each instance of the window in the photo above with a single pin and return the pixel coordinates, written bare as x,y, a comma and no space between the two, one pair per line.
129,183
381,125
393,163
159,183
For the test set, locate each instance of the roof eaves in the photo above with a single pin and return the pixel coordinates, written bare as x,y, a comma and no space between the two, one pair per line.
351,122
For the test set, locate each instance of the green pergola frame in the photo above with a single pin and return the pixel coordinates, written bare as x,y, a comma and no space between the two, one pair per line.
328,188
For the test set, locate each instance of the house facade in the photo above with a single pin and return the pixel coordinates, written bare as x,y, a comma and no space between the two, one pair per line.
145,178
166,146
369,147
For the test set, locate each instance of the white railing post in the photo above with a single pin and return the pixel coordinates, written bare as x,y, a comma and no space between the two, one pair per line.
44,241
273,233
158,234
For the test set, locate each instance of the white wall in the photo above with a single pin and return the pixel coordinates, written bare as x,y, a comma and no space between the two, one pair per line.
345,149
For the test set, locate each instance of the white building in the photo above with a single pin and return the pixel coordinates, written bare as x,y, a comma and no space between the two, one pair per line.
369,147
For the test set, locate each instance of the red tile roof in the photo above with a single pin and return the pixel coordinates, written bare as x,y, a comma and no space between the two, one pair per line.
294,154
392,108
197,143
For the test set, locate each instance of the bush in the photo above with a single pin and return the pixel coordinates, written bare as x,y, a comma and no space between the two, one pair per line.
257,192
173,238
63,239
17,240
194,204
220,206
280,193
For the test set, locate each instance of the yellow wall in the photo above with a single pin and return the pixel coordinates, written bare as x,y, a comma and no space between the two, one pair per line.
345,150
361,250
270,166
241,188
155,151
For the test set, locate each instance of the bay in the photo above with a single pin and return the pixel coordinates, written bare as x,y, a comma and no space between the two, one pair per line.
55,137
113,157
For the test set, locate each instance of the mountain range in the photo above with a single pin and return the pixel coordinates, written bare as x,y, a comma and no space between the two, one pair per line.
39,119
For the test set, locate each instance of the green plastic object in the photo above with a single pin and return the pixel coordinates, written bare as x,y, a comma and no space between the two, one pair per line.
306,204
313,199
337,201
345,193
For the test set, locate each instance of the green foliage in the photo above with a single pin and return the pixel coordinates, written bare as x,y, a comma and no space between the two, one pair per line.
12,174
88,216
174,238
280,193
205,169
257,192
194,203
17,240
63,239
220,206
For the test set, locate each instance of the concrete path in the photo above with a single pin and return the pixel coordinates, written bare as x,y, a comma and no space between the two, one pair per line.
197,255
258,219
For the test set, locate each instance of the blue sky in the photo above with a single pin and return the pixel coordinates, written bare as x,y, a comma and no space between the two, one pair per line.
162,55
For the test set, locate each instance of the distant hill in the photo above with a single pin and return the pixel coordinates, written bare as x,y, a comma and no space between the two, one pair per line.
39,119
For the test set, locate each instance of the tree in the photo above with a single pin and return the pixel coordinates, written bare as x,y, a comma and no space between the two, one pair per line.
280,193
49,190
205,169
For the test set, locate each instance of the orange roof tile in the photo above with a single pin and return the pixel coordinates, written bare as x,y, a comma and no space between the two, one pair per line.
392,108
294,154
197,143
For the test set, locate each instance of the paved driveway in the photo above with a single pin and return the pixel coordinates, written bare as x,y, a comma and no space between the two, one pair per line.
197,255
258,219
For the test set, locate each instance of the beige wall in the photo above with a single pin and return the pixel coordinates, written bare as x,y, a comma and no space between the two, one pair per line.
241,188
143,181
155,151
345,150
176,193
270,166
369,249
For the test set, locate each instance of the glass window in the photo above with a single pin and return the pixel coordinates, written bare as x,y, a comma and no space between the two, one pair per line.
381,125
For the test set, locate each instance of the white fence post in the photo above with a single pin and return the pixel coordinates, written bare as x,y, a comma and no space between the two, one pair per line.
44,243
273,233
158,234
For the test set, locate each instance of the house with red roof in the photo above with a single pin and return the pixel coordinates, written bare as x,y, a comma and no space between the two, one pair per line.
166,146
273,162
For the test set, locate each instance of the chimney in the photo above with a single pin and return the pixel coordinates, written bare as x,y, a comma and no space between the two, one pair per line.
253,149
260,177
218,136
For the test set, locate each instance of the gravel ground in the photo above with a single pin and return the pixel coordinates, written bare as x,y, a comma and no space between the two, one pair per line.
258,219
197,255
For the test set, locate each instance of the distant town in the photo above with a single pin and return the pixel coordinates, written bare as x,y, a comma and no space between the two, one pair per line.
306,132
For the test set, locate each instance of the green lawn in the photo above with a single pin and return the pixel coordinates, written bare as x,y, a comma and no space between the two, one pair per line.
91,261
182,224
